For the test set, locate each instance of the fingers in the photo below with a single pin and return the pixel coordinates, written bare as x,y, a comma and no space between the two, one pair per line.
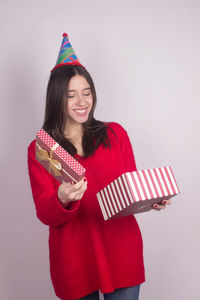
168,202
158,207
162,205
70,191
77,194
77,186
72,186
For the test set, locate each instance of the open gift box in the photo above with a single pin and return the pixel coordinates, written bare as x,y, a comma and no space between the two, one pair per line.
56,159
136,192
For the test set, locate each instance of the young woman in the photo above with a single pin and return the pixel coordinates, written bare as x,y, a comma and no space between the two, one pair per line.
87,254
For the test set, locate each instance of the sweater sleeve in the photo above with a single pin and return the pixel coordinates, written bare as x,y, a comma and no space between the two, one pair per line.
48,207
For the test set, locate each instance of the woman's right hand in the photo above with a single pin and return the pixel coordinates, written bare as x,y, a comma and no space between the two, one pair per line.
68,192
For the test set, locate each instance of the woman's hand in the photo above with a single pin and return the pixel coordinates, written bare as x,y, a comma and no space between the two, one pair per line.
162,205
68,192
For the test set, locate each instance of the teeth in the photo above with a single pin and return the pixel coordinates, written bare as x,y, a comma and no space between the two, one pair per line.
81,110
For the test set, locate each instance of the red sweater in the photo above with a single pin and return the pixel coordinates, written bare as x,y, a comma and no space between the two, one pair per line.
86,252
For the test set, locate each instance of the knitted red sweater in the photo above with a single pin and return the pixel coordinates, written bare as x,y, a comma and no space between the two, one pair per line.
86,252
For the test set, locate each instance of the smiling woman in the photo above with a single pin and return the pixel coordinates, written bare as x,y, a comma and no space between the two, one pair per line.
70,104
87,254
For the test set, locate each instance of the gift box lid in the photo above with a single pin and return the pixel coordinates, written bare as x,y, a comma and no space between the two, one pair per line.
60,151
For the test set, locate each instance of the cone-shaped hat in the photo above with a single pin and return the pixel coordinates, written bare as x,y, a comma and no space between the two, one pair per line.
66,55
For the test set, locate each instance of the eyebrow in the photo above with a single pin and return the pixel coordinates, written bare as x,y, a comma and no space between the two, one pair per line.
83,90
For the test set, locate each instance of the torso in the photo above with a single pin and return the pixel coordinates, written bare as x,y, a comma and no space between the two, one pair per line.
111,251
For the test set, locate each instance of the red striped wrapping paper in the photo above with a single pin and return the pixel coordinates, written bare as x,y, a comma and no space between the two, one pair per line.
56,159
135,192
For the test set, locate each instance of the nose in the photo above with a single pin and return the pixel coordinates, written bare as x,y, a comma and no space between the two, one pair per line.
80,100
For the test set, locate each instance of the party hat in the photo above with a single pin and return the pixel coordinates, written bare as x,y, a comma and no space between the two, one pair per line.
66,55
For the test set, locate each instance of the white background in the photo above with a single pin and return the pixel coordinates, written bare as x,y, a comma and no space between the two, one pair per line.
144,57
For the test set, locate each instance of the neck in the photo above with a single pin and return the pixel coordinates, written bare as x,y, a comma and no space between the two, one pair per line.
73,131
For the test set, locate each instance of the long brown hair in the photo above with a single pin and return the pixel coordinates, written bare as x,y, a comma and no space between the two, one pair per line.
94,131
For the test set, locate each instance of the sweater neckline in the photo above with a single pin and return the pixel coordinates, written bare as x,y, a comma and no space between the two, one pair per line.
77,156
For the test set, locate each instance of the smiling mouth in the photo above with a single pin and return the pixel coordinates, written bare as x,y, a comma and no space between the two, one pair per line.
80,111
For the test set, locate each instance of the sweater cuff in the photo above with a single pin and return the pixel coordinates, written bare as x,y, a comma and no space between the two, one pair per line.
72,206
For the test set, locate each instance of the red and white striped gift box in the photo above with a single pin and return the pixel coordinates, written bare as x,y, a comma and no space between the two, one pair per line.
135,192
56,159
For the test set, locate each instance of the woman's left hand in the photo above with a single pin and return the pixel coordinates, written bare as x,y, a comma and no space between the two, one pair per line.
162,205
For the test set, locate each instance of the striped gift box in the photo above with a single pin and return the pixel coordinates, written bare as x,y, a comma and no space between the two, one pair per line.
135,192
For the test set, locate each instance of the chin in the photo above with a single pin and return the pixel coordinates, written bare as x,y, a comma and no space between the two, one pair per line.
81,120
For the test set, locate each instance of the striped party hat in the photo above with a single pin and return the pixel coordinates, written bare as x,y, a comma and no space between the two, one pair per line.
66,55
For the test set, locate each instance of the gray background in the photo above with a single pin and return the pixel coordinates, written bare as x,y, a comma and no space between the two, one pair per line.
144,59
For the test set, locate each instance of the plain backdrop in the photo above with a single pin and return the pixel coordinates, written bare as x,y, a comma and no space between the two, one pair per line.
144,57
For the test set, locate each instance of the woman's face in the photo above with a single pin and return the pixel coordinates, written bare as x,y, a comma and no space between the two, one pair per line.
79,103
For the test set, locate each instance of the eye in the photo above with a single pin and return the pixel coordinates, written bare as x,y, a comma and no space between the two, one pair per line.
87,94
70,96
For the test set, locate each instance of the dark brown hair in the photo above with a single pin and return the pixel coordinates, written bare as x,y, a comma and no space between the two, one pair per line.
94,131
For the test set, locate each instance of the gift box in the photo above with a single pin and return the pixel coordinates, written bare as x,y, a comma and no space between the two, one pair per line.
135,192
57,160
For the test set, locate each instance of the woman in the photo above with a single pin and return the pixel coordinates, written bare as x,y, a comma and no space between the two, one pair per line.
87,254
